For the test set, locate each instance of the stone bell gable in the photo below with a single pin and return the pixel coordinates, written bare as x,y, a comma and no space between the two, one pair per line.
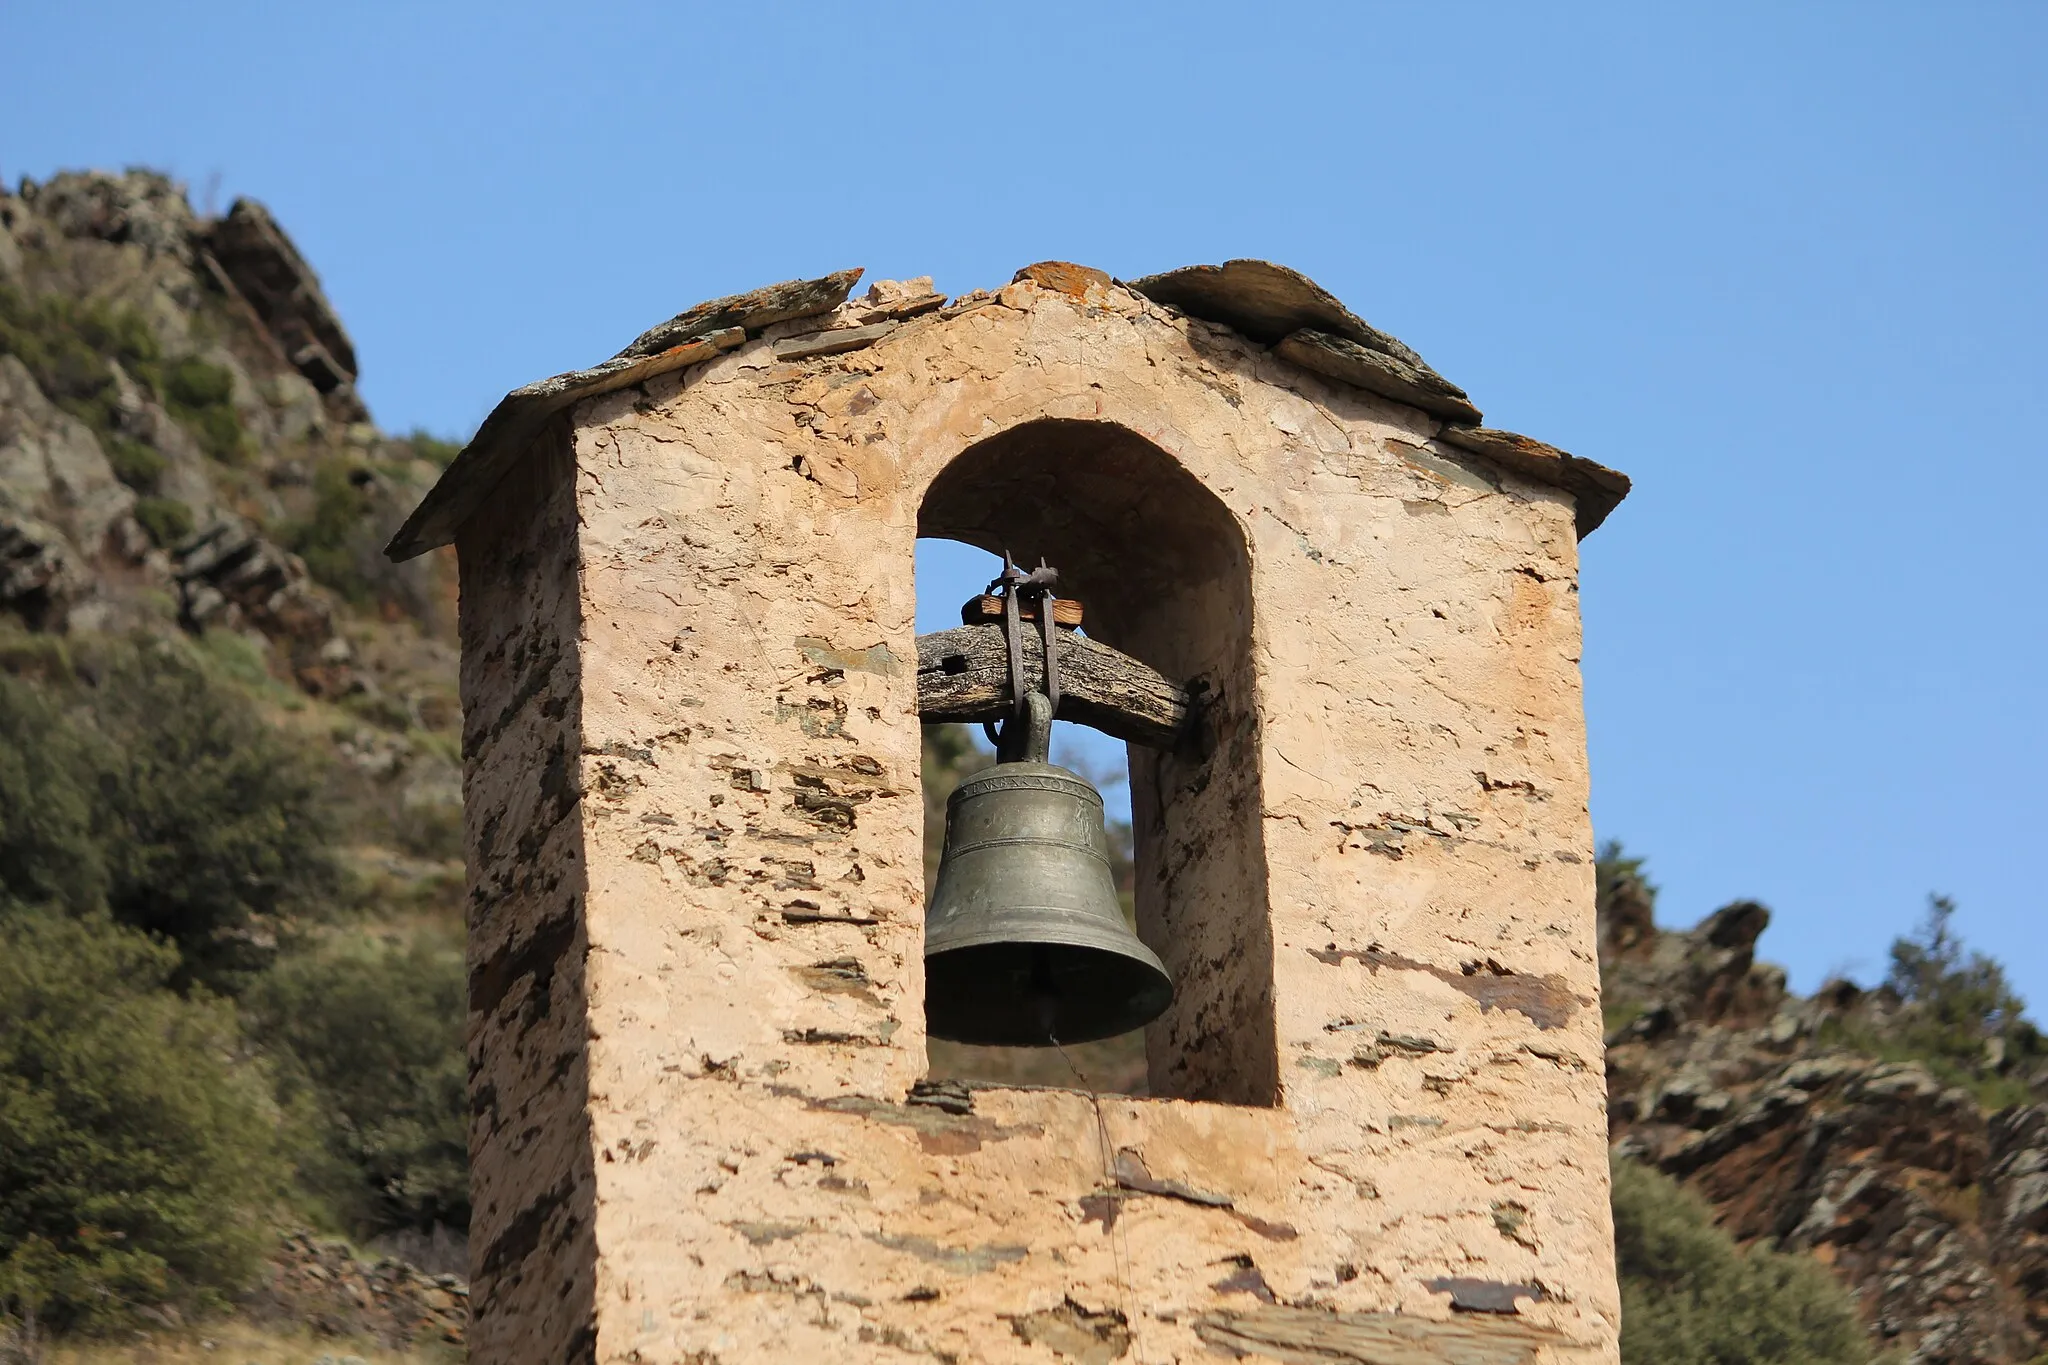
1376,1124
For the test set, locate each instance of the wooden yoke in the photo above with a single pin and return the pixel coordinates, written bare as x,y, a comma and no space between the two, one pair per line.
963,674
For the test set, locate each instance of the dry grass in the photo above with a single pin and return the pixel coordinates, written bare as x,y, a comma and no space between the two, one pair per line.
239,1342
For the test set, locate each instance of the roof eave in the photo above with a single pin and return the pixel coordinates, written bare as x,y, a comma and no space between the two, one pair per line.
696,334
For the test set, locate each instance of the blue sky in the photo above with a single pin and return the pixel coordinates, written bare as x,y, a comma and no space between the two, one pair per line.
1782,264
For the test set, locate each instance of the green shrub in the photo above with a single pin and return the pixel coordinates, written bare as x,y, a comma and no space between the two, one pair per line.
138,1157
1616,875
237,658
117,332
139,466
163,796
200,395
429,829
167,520
433,449
196,385
335,535
68,343
1690,1296
373,1037
213,827
49,851
950,757
26,653
1958,1015
1963,999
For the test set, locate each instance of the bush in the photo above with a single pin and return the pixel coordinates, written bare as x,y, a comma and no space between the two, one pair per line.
950,757
138,1156
370,1037
138,466
433,449
167,520
327,537
1957,1015
1618,877
70,346
1962,1000
48,849
213,827
66,343
1690,1296
164,797
200,395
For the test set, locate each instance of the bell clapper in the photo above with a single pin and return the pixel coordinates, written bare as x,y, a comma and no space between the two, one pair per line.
1044,994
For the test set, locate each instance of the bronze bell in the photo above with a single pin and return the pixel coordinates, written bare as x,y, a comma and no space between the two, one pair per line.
1024,942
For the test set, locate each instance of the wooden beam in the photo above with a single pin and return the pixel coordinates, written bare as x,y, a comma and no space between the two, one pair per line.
963,674
989,607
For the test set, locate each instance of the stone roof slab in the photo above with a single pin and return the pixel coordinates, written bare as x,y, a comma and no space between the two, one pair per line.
695,334
1269,304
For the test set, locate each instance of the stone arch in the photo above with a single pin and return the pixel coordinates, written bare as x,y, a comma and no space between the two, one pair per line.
1164,568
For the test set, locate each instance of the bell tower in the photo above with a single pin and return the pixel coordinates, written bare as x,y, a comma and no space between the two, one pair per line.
1334,615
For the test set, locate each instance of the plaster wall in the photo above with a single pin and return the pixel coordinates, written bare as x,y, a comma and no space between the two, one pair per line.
745,964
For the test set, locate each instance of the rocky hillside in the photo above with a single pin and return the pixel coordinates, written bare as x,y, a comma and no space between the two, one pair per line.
1900,1135
193,502
181,441
183,451
184,457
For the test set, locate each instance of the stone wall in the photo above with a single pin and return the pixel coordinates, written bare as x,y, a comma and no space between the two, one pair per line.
532,1187
1400,975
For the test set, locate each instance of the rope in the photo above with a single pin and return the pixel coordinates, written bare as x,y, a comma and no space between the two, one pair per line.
1119,1256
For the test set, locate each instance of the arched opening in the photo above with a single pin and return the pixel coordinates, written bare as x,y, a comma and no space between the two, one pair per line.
1160,565
949,573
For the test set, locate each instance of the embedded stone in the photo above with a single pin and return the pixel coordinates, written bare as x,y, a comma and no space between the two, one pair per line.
1389,376
1266,302
752,311
835,342
1596,490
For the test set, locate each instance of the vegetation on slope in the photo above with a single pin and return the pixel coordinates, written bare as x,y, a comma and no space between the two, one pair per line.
1690,1296
199,1041
368,1032
139,1146
1941,1004
77,349
155,792
1951,1010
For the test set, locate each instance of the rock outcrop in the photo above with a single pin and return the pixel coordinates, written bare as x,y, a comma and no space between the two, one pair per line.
252,259
1935,1213
62,512
178,414
183,451
323,1284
